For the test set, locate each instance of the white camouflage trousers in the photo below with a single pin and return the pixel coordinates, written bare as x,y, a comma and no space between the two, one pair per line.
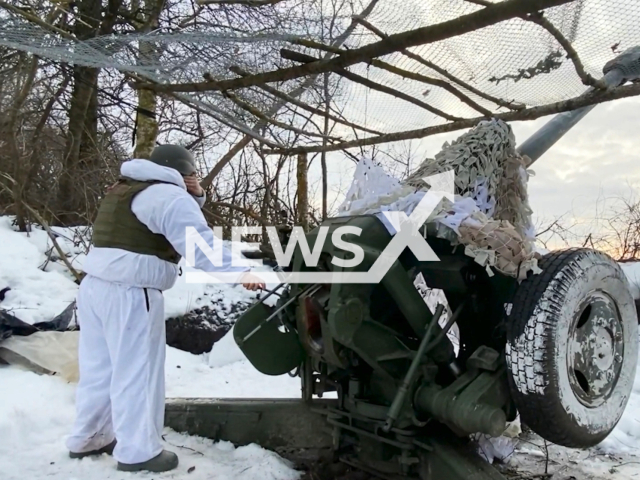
121,391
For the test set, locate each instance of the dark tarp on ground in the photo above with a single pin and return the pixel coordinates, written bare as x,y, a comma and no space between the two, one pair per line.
12,325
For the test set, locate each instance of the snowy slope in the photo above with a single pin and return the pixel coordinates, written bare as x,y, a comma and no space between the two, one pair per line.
35,295
36,412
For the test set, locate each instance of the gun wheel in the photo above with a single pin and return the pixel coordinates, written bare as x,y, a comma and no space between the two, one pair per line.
572,347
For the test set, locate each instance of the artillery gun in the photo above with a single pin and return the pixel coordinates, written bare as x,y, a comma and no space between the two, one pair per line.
559,349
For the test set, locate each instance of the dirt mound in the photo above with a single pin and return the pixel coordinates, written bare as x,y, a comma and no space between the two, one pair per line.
197,331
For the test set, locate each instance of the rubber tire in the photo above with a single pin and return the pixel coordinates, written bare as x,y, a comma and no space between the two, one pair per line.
537,340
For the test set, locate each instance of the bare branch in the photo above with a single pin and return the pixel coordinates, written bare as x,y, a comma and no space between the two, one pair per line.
140,79
572,55
278,105
420,36
431,81
590,98
442,71
301,57
37,20
586,78
246,211
217,218
289,99
61,253
395,93
401,72
247,131
249,3
220,164
254,111
46,227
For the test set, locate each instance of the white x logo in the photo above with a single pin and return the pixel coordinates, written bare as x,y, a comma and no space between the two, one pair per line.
407,227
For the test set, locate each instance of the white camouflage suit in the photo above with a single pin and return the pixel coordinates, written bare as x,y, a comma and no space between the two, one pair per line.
121,392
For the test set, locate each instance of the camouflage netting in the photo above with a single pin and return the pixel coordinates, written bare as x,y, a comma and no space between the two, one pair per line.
490,216
484,72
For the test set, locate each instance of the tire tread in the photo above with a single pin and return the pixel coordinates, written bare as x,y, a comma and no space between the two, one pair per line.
544,414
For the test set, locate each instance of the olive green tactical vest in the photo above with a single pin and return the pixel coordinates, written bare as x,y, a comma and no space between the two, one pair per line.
117,227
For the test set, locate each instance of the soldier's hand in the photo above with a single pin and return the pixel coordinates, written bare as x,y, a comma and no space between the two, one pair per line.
251,282
193,186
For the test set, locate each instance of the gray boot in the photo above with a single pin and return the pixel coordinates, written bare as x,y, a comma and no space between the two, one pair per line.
107,449
164,462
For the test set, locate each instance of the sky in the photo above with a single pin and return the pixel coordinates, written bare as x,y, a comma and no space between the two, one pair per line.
598,159
577,178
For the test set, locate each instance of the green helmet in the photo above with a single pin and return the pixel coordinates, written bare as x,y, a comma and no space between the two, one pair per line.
174,156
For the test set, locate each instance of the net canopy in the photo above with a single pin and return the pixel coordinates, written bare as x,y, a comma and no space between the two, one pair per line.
463,71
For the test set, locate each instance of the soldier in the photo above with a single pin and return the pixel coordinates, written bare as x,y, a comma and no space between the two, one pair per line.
139,237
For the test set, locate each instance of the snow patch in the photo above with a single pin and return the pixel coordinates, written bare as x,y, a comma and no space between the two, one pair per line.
35,295
225,352
37,412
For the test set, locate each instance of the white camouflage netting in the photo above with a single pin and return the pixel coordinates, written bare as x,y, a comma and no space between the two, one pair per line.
490,216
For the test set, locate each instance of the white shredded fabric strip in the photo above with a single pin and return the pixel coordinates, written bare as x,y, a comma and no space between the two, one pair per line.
490,215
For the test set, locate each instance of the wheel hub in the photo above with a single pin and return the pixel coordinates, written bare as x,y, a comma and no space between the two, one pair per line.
596,349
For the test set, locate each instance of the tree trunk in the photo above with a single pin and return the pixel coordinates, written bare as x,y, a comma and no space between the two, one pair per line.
146,124
303,188
80,117
10,131
83,115
146,120
323,155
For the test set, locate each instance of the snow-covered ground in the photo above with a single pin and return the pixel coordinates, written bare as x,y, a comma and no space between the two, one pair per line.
37,411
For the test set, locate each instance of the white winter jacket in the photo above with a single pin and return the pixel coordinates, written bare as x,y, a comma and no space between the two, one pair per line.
166,209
